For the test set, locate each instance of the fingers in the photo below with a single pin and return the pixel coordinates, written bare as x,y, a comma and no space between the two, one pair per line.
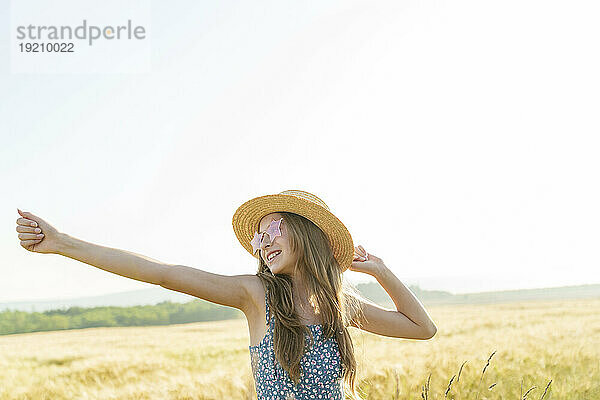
31,236
28,243
26,222
28,229
26,214
29,232
27,218
360,253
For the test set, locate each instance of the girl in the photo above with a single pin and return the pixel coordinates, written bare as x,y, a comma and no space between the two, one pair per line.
298,305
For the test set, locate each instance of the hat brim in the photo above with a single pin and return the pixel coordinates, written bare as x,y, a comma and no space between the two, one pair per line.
247,217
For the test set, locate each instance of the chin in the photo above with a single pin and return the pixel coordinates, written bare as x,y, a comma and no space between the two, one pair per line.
277,269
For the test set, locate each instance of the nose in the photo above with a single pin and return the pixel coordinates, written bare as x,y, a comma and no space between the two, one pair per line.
266,242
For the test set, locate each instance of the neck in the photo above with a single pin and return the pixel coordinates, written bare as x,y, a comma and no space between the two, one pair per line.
304,307
299,289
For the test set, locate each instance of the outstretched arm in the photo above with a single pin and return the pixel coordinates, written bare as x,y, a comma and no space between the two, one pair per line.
120,262
222,289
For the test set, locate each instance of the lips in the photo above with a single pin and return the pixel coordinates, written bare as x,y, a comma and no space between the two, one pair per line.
277,253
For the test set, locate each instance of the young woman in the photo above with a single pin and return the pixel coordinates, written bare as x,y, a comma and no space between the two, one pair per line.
298,305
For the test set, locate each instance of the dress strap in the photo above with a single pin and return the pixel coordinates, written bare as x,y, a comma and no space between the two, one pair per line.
266,307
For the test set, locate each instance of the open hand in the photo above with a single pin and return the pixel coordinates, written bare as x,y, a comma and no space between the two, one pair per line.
365,262
36,234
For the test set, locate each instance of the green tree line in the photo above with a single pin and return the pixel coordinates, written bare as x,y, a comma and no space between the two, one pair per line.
164,313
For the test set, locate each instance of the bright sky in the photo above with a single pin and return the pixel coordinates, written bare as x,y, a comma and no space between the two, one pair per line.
458,141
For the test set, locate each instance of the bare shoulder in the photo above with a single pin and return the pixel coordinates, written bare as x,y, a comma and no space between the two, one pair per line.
256,292
255,307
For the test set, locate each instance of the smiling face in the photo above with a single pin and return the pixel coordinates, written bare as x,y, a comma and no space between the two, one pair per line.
284,261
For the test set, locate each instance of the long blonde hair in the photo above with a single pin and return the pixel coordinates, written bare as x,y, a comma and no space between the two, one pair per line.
333,298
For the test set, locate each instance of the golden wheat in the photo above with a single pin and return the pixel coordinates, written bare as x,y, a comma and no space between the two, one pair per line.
533,343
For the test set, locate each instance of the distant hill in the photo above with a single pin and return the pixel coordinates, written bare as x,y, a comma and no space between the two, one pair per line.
372,291
149,296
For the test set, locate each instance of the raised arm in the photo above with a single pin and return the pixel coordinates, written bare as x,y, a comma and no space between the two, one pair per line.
410,319
226,290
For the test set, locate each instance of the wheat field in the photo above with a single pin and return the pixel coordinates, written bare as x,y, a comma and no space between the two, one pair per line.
533,350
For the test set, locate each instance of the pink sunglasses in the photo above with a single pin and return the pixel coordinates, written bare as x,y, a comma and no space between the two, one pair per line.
273,231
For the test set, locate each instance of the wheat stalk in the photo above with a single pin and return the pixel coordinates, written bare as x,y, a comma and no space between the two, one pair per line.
459,371
425,390
545,390
397,384
484,368
448,388
527,392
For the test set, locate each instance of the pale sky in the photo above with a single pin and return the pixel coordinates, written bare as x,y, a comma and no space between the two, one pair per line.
458,141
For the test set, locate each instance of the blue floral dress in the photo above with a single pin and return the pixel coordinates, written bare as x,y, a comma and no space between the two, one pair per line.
321,376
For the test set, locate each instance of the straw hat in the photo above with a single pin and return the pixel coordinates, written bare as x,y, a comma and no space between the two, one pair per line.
247,218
